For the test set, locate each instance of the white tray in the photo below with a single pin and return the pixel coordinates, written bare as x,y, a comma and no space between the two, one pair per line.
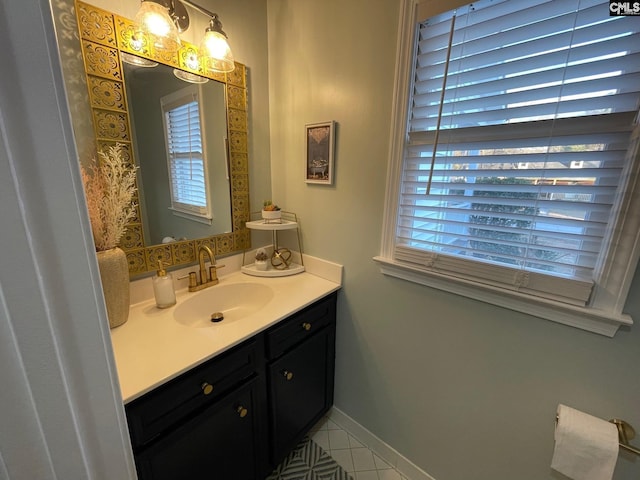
293,269
261,225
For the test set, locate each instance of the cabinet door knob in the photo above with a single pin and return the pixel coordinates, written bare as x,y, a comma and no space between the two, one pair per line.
207,388
306,326
242,412
287,374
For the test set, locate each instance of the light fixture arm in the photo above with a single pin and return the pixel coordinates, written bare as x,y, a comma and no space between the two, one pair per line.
214,24
180,15
199,8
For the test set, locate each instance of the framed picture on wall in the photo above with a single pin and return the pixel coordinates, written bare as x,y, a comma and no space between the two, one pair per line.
320,145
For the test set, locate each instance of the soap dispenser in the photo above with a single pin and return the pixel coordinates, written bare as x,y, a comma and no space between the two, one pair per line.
163,288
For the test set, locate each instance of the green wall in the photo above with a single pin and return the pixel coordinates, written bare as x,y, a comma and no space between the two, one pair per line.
465,390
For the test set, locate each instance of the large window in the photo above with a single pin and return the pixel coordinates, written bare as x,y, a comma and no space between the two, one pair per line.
519,150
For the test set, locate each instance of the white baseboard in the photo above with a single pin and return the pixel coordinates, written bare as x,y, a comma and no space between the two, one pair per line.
380,448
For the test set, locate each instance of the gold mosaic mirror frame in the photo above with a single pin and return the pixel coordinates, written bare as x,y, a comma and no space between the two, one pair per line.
103,35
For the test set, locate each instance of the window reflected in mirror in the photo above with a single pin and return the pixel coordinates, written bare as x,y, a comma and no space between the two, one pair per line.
180,133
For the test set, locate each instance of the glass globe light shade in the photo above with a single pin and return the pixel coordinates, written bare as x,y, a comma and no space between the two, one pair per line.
154,21
215,53
189,77
137,61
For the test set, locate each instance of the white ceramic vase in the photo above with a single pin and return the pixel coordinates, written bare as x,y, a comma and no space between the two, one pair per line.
114,273
272,215
261,265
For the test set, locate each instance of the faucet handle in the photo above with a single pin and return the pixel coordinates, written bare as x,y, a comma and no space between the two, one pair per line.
193,281
213,272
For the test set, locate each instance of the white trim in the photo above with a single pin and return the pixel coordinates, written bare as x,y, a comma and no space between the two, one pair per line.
385,451
323,268
207,219
62,375
590,319
623,247
399,113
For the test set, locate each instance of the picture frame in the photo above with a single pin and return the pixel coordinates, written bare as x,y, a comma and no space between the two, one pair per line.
320,144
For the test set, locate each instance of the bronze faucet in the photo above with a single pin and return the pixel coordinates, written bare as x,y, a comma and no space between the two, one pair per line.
206,279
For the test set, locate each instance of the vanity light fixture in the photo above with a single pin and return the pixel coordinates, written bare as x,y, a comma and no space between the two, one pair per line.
163,20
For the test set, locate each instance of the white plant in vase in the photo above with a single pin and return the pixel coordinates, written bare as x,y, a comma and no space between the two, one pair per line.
110,186
261,259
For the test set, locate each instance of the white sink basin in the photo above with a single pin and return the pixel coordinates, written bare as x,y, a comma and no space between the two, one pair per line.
235,301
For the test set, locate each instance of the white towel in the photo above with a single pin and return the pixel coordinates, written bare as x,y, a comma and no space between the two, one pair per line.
586,447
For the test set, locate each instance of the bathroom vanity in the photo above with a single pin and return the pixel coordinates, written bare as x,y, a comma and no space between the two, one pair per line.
237,411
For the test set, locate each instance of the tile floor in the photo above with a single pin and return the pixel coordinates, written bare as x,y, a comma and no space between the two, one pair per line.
360,462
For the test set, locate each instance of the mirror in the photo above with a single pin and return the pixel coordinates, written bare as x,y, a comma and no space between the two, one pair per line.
146,88
104,36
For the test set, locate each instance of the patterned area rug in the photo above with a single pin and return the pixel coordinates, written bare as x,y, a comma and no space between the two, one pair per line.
309,462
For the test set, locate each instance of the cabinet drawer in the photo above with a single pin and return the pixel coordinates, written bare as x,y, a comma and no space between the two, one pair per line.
300,326
170,403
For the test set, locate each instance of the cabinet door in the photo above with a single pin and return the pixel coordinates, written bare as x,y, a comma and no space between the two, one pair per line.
300,390
221,442
167,406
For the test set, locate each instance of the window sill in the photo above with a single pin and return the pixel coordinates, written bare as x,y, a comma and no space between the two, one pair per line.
590,319
192,216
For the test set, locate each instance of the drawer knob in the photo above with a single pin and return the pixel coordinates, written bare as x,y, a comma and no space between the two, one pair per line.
306,326
207,388
242,412
287,374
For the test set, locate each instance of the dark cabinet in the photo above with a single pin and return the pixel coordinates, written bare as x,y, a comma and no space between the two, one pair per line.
236,416
159,411
221,442
300,378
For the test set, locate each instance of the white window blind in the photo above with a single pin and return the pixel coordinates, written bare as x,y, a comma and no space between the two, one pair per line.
519,143
186,163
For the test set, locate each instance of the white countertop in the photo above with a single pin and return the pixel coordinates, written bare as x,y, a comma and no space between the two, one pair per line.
152,347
